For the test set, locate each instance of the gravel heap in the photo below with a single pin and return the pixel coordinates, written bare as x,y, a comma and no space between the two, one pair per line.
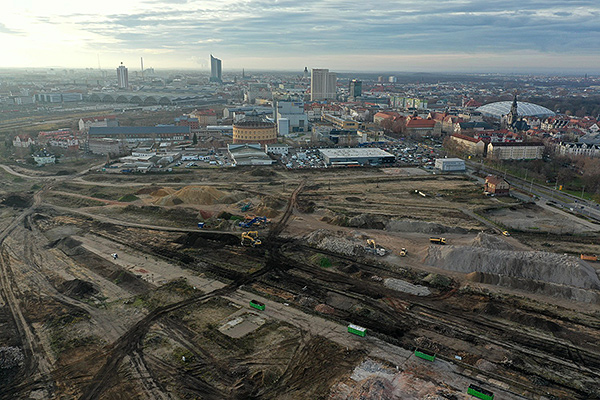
323,239
406,287
534,265
11,357
491,242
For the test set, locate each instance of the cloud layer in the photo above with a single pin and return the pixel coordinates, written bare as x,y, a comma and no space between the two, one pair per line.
351,34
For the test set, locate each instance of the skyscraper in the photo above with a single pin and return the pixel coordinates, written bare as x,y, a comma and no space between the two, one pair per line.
122,77
215,70
355,88
322,84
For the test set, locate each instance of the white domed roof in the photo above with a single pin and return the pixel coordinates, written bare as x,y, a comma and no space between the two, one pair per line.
501,108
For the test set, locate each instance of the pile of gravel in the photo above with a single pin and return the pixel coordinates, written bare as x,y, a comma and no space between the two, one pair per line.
406,287
534,265
491,242
323,239
11,357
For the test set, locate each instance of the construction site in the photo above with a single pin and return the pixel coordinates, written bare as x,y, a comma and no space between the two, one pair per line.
267,283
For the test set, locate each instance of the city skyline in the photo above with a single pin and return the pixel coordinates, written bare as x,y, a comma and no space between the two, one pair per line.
284,35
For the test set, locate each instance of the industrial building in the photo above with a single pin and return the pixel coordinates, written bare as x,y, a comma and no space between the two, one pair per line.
136,134
248,154
356,156
450,164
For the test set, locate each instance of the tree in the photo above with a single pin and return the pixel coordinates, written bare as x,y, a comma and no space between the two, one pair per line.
195,139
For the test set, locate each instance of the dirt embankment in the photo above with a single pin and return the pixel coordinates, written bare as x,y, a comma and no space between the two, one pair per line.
371,221
494,262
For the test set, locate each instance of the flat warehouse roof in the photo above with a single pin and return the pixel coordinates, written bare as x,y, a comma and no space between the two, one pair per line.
355,152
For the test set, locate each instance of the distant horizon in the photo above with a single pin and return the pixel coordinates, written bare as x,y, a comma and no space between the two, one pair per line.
477,36
574,72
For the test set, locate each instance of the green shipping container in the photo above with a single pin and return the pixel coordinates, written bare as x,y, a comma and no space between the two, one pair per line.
257,304
425,356
478,392
357,330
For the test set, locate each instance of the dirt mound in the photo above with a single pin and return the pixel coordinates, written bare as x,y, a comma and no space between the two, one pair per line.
205,195
367,221
162,192
408,225
546,288
234,197
324,309
265,211
491,242
532,265
77,288
147,190
17,201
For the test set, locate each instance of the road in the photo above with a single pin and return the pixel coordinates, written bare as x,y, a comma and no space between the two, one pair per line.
579,206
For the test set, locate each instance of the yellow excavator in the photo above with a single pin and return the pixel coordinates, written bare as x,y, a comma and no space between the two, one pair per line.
250,238
374,248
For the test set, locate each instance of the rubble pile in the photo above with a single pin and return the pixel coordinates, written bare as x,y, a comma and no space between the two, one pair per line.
323,239
406,287
11,357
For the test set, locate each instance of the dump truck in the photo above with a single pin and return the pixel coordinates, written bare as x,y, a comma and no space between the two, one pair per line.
374,248
250,238
437,240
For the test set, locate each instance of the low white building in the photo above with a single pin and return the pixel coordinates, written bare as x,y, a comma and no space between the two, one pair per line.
281,149
43,157
450,164
248,154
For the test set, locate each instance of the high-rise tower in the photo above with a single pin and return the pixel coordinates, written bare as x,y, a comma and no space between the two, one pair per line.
122,77
355,88
215,70
322,84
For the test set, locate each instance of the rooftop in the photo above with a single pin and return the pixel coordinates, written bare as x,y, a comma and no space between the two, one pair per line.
138,130
355,152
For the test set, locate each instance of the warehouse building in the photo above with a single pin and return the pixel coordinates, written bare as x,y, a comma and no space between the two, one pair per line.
450,164
136,134
356,156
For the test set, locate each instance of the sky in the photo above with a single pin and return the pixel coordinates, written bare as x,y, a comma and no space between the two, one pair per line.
348,35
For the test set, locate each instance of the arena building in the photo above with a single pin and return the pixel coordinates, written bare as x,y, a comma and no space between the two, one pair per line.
524,109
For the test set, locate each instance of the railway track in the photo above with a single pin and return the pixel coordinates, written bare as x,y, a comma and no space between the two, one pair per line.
555,354
131,340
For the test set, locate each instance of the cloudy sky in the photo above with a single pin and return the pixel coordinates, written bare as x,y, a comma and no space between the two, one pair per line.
348,35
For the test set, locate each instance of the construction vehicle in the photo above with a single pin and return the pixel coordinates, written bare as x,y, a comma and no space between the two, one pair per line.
254,221
437,240
374,248
246,207
250,238
403,252
589,257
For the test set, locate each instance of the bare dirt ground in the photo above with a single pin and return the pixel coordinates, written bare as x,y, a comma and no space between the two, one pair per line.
169,317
